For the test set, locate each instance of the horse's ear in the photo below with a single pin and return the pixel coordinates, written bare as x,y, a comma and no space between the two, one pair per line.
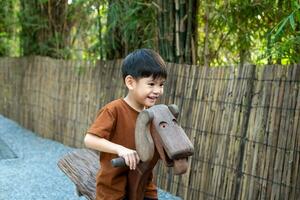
174,110
143,139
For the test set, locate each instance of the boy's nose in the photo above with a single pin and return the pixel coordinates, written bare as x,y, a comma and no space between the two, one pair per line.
157,90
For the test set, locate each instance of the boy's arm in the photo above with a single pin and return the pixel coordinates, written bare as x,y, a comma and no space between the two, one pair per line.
94,142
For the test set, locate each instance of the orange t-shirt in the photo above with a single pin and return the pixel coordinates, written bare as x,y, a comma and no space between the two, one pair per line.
116,123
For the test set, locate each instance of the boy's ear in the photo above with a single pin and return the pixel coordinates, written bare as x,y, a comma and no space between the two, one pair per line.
129,82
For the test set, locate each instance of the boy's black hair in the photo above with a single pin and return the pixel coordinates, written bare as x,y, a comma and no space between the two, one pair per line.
144,63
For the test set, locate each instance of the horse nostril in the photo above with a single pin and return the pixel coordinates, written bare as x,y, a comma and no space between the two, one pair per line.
163,124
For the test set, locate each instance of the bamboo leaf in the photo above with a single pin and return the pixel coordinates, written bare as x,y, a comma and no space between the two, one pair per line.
292,21
297,4
280,29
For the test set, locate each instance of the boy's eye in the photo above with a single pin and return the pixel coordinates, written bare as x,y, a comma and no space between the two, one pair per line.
151,84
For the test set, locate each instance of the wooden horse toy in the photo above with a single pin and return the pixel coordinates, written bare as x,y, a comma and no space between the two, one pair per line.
157,136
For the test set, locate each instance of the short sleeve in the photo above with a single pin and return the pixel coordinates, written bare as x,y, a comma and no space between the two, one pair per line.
103,124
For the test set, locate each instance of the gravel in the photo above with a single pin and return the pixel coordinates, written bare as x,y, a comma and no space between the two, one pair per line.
34,174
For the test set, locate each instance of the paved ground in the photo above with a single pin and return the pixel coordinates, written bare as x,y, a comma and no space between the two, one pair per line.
28,167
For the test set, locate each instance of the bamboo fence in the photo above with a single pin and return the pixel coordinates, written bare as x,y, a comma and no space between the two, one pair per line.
243,122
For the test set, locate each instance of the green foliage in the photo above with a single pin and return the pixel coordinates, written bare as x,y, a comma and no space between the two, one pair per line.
35,35
131,24
285,38
258,32
9,28
229,32
51,28
83,32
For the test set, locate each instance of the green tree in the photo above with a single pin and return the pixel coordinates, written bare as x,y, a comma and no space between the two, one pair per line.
9,28
130,25
47,26
166,26
210,33
177,25
237,32
283,44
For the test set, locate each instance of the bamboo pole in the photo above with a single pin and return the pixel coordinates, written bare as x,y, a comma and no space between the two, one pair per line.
170,33
177,25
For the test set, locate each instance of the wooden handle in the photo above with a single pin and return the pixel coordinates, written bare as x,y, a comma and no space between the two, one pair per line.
118,162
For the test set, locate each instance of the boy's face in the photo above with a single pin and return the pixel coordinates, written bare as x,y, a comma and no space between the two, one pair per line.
147,90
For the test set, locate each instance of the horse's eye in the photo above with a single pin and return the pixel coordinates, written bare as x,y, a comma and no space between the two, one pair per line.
163,124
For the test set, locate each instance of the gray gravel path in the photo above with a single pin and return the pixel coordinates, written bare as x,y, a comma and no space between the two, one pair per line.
34,174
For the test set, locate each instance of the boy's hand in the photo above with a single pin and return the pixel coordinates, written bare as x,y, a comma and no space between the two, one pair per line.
130,156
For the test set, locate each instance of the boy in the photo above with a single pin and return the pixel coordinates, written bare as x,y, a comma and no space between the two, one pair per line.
112,133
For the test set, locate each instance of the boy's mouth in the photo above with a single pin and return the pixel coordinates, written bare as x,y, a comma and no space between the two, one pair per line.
153,98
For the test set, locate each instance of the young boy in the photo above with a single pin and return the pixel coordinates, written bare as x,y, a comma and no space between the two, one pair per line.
112,133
